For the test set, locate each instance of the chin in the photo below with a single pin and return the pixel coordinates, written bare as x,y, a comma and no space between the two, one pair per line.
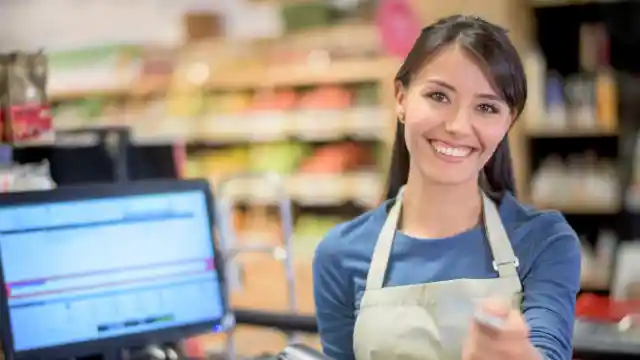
446,180
448,175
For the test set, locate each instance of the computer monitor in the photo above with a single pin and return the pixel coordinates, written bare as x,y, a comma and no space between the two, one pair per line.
108,266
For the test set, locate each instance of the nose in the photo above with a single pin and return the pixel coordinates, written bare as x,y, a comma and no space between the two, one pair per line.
459,123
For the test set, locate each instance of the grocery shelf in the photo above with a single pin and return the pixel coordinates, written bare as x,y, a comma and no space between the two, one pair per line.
550,3
571,132
331,72
358,123
315,189
581,208
350,71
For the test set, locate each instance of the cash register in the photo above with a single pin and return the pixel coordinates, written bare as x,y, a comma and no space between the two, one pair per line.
109,271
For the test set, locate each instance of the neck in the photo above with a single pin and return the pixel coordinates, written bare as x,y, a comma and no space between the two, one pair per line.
431,210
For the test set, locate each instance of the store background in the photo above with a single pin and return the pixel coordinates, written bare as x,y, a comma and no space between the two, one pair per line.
237,85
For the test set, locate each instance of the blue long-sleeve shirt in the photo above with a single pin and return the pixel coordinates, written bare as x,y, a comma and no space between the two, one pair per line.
545,244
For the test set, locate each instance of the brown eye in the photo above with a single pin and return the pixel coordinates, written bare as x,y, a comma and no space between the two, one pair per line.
438,97
488,109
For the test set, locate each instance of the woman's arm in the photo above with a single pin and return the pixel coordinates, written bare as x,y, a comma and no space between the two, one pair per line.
334,300
550,290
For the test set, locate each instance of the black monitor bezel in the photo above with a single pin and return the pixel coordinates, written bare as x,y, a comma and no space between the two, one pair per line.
108,345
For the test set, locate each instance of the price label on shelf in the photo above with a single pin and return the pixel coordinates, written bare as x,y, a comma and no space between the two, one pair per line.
223,127
268,126
366,188
319,125
371,122
250,190
166,129
318,189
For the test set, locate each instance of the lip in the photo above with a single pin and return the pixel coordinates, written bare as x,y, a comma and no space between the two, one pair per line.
451,144
449,159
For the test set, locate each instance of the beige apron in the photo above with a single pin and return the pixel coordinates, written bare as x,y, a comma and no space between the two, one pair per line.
428,321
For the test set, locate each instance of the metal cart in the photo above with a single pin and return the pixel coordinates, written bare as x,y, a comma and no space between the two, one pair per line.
271,189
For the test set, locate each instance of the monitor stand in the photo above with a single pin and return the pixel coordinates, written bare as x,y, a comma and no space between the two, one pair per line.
166,351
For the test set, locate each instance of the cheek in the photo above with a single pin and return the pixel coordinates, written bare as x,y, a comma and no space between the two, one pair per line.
413,131
422,115
491,136
420,118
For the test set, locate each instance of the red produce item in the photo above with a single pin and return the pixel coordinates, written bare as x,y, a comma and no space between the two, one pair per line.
602,308
274,100
335,158
326,98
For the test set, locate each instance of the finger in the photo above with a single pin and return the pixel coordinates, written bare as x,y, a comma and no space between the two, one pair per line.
502,329
479,346
516,325
497,307
491,315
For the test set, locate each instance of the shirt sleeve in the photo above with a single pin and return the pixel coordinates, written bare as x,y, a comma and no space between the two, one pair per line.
334,300
550,290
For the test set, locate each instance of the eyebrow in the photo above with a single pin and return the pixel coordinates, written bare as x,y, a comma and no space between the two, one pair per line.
453,89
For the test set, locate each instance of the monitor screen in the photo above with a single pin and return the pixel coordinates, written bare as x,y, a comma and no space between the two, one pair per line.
88,270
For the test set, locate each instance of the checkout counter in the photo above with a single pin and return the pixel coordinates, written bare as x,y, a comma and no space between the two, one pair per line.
112,271
117,161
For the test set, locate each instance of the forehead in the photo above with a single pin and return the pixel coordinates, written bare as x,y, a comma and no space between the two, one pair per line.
455,66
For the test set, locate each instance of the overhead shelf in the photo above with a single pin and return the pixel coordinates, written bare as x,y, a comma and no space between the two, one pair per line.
571,132
362,188
557,3
368,123
581,208
338,72
351,71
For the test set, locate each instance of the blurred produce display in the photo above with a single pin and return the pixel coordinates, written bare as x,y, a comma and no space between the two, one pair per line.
308,107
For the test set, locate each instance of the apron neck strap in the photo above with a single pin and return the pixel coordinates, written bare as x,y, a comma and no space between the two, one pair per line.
382,250
504,260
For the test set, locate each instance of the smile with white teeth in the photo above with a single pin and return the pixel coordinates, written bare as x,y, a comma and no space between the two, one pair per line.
452,151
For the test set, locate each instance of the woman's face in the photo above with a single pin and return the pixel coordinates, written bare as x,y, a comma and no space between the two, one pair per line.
453,118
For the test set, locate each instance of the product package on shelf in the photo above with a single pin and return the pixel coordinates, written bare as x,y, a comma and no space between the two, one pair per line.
27,177
583,183
156,70
321,114
224,117
104,70
269,114
186,97
26,114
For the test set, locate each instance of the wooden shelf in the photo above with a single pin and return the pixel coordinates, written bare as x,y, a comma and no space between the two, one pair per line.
557,3
341,72
337,72
82,94
570,132
577,208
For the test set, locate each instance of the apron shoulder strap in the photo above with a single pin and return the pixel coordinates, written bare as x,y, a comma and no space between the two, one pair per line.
382,250
505,261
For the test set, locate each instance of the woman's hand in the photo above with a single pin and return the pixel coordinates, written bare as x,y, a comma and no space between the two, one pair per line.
501,334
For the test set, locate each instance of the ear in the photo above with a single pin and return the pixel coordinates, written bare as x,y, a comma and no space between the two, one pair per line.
400,94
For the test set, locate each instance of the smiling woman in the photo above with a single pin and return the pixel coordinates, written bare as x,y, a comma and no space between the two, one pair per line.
451,266
476,68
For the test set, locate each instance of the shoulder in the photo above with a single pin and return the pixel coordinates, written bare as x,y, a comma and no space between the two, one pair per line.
539,236
354,236
526,222
342,257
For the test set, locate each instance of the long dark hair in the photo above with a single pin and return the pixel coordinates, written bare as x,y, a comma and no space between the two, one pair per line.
490,45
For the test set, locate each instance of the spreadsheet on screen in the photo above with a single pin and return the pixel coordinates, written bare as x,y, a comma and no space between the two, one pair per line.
87,270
